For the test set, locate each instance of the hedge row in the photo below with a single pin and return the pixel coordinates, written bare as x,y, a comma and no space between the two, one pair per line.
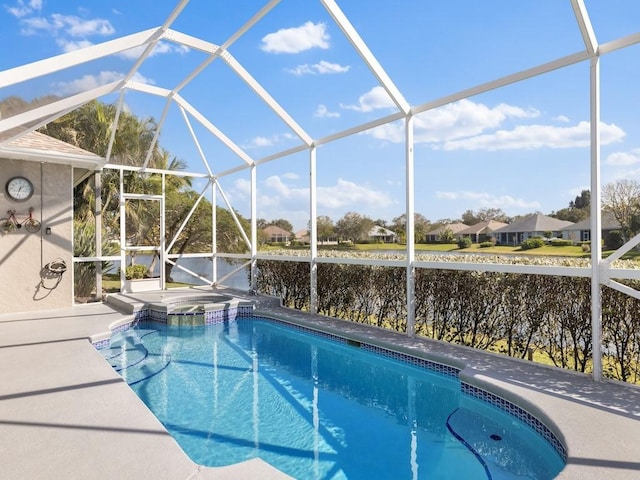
503,312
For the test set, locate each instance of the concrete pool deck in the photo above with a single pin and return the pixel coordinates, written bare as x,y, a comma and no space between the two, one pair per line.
65,413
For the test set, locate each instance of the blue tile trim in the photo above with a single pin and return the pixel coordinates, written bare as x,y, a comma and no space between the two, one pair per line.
415,361
517,412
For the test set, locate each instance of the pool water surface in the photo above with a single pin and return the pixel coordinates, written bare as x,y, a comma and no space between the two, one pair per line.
315,408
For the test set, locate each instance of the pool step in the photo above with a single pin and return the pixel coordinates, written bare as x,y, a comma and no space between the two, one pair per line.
130,358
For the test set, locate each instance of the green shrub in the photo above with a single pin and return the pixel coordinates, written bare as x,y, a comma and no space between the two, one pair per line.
559,242
464,242
614,240
486,244
133,272
530,243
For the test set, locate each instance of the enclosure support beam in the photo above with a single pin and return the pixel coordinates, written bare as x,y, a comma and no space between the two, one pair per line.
98,222
596,223
254,230
410,228
214,233
313,231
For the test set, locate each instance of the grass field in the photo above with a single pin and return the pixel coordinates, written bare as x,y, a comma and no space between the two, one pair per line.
547,250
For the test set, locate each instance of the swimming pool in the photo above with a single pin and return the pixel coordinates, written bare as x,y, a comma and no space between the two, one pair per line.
315,408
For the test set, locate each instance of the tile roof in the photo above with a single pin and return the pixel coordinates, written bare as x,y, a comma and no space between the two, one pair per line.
609,222
486,226
536,222
454,227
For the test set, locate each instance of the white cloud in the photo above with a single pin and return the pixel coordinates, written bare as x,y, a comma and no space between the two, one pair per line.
69,46
68,25
278,197
620,159
562,119
346,194
23,9
374,99
88,82
321,68
291,176
296,39
531,137
489,200
467,125
322,112
263,141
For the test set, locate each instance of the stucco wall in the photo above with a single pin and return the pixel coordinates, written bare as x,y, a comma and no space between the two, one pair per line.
23,255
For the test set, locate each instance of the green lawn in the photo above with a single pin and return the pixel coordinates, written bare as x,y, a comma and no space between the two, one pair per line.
547,250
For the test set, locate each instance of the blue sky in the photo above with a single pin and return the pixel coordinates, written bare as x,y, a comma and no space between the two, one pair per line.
521,148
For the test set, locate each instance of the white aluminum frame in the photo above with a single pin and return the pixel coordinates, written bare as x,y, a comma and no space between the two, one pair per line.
601,272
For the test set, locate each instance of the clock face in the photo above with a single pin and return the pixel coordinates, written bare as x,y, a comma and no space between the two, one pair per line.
19,189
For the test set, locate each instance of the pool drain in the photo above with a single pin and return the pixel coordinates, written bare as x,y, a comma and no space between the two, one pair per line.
495,437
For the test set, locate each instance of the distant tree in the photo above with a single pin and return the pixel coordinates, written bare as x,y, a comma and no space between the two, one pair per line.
578,209
470,218
622,199
381,222
325,228
447,236
420,227
353,226
483,215
582,201
261,224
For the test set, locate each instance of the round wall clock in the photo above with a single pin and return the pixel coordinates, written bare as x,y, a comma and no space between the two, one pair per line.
19,189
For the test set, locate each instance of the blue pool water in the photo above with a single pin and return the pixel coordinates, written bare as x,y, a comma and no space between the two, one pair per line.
315,408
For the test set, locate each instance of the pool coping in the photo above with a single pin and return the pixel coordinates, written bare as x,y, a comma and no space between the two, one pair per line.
597,422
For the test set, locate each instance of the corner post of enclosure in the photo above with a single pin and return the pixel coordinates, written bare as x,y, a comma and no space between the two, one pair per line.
410,226
163,226
97,215
214,234
596,222
123,235
254,233
313,230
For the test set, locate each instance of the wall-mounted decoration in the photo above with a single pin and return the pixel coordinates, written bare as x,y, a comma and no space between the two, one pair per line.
19,189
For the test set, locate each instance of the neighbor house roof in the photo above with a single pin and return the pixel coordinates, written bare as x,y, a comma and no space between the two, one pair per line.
377,231
483,227
275,230
536,222
609,222
454,227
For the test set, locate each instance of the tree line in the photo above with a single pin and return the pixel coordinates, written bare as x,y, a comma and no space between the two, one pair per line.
620,198
514,314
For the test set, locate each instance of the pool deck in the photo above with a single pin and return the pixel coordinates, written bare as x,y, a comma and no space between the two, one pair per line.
65,413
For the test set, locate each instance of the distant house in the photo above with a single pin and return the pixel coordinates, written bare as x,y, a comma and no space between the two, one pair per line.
434,236
581,231
302,236
275,234
482,231
535,225
382,235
